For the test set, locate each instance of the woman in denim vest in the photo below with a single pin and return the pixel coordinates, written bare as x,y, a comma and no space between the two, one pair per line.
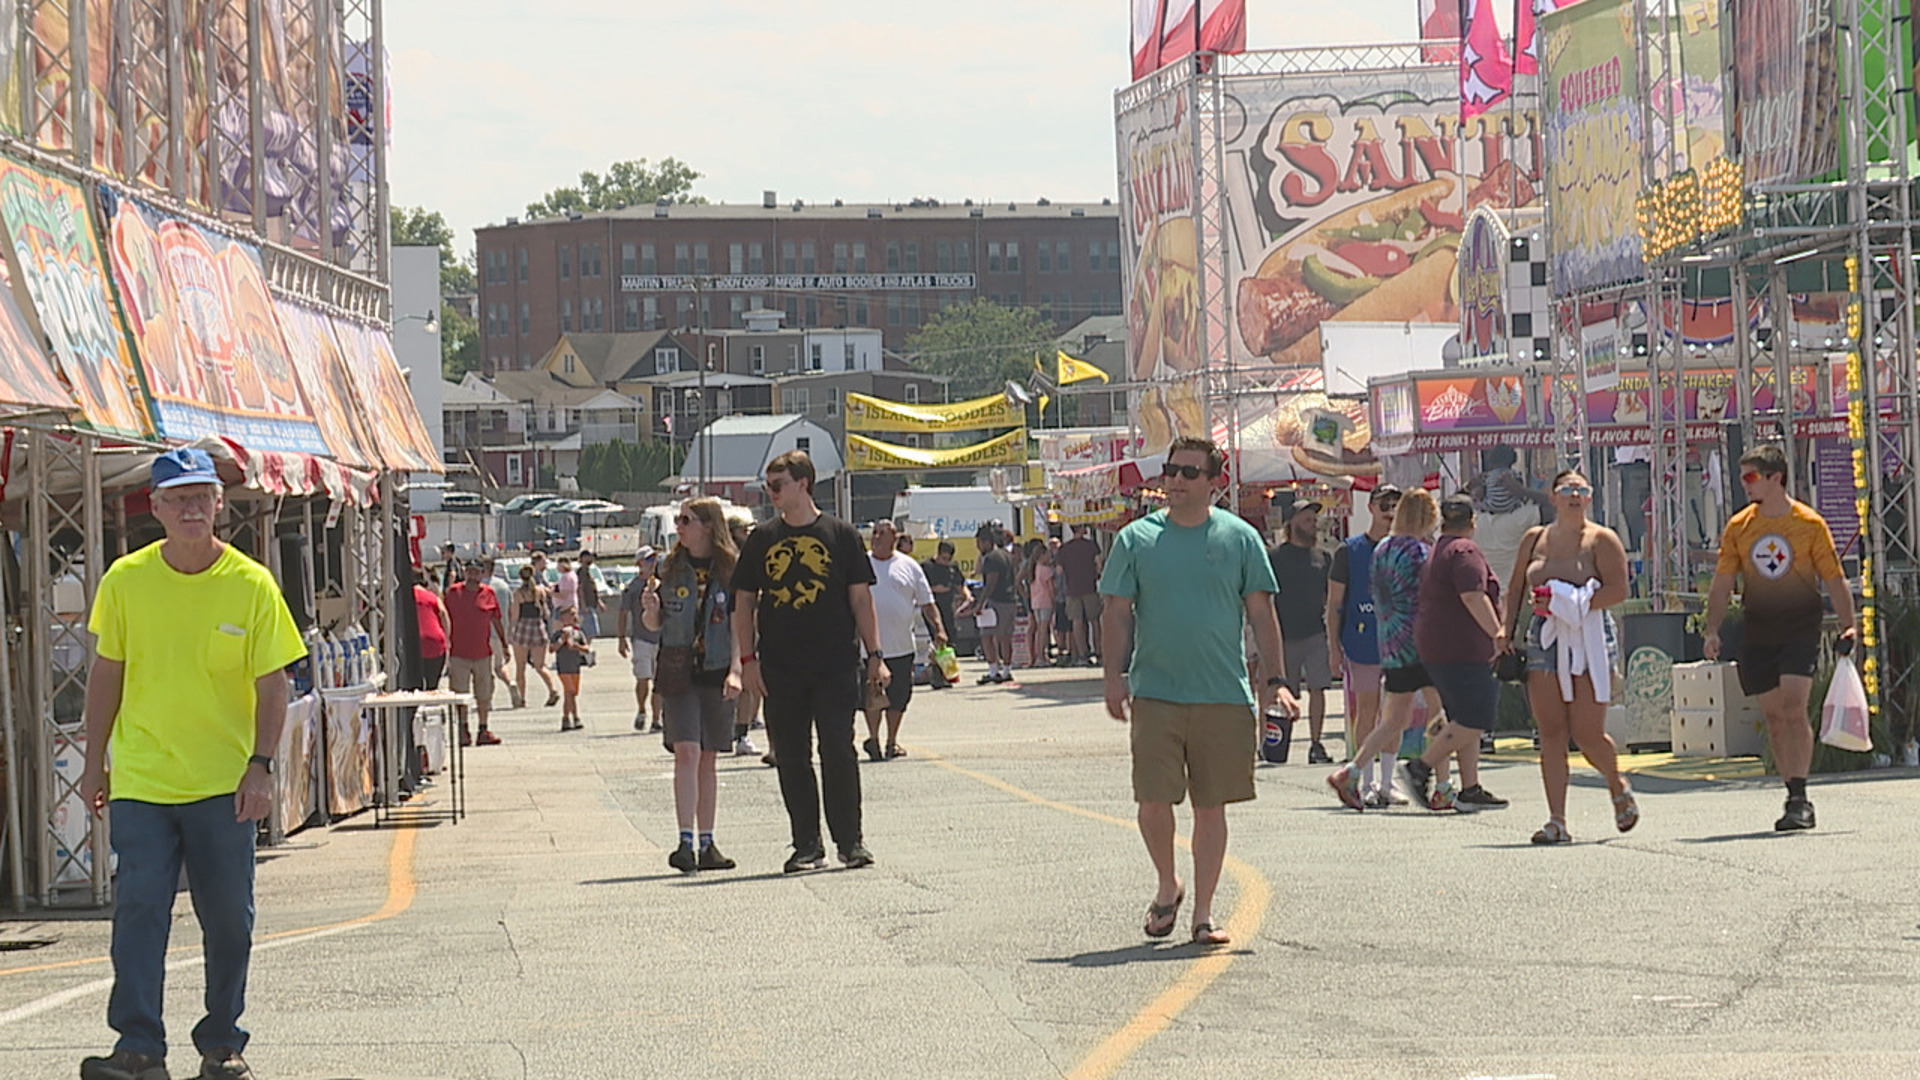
687,604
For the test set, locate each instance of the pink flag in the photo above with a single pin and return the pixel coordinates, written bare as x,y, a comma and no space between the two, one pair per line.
1165,30
1486,65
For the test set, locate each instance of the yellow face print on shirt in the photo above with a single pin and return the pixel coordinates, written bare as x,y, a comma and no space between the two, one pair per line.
799,567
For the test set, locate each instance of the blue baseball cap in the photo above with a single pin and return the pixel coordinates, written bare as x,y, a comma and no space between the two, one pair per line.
178,468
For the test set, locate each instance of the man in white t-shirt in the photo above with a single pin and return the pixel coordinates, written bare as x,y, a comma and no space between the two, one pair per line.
901,596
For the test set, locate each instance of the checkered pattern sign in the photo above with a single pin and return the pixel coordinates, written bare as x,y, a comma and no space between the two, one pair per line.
1529,309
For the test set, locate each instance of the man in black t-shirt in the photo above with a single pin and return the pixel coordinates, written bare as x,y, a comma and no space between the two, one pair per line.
802,617
998,605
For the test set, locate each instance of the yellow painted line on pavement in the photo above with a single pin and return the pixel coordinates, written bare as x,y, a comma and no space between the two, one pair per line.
1153,1018
401,889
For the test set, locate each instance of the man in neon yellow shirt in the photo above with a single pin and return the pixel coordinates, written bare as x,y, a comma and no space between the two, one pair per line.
189,694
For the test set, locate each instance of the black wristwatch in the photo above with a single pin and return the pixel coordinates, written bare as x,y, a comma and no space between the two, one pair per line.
1282,683
263,761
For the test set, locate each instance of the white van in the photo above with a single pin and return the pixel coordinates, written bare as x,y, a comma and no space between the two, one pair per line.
657,528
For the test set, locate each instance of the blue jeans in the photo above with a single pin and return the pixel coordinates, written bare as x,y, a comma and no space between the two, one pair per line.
590,622
152,842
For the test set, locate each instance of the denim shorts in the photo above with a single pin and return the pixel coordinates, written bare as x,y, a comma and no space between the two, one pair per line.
1469,692
1543,658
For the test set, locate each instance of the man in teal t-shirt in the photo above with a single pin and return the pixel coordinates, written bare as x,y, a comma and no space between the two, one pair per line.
1177,587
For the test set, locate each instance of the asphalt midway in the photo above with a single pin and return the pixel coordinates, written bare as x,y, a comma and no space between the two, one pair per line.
999,934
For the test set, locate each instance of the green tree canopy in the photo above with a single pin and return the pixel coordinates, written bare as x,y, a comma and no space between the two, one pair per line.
611,468
625,183
981,345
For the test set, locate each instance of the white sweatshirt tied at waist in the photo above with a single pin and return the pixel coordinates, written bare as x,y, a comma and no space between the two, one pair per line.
1577,632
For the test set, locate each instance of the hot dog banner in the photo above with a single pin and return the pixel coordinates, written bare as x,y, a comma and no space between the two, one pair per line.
1161,271
1347,196
1590,89
865,453
206,333
865,413
55,263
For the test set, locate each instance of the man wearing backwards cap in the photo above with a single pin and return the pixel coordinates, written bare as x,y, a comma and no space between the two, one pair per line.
190,694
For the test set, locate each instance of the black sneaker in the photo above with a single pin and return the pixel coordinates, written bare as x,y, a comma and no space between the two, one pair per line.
1480,799
813,858
856,856
711,859
224,1064
872,747
1317,755
1799,816
1486,744
124,1065
988,679
683,859
1415,784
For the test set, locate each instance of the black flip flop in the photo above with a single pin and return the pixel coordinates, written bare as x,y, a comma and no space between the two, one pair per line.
1169,912
872,747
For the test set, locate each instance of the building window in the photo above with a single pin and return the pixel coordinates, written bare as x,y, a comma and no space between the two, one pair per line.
649,264
521,256
893,256
913,256
566,364
1046,301
630,315
913,393
1118,403
840,258
859,256
1062,257
629,259
1063,306
893,311
650,313
808,263
1045,263
833,406
666,359
789,258
526,318
813,312
1113,255
759,355
736,258
813,357
859,313
1093,255
793,358
737,310
566,315
700,258
793,311
566,262
599,268
682,312
963,256
943,256
1013,299
913,309
515,475
1013,256
599,313
993,257
793,399
756,258
682,259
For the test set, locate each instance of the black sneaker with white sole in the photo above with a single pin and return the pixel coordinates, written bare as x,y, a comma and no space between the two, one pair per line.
1480,798
1415,780
856,856
804,859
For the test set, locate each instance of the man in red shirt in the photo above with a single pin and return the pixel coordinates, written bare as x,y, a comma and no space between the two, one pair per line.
474,616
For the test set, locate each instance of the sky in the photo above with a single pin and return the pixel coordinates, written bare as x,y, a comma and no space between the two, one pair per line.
496,103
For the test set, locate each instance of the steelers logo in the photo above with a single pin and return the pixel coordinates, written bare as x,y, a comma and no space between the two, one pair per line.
1771,556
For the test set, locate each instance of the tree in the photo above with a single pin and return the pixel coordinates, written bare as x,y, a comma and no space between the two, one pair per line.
626,183
459,343
981,345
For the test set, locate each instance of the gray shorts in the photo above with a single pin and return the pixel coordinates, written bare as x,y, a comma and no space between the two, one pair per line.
1307,664
1004,614
702,714
1084,607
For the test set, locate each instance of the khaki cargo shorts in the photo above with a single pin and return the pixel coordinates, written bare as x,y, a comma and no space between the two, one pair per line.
1206,749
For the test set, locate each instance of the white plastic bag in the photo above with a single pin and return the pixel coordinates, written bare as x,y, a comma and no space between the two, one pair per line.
985,618
1843,717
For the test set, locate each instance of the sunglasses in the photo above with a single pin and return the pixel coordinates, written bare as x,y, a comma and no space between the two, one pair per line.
1580,490
1750,477
684,519
1191,472
777,486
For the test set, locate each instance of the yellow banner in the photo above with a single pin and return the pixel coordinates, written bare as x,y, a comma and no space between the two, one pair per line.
878,414
865,453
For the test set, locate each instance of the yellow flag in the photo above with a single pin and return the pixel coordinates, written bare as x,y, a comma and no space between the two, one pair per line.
1044,399
1068,370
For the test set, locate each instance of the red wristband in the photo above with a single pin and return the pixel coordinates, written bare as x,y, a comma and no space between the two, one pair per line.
750,658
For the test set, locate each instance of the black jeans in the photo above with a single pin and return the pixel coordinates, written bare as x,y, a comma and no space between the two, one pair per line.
801,700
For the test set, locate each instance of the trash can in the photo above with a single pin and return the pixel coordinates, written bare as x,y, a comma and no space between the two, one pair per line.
1650,644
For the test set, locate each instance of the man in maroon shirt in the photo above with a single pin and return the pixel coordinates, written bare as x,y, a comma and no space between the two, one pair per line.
1079,560
473,613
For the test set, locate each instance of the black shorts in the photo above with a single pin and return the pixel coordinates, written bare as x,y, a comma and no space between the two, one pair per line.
900,683
1761,666
1469,693
1406,680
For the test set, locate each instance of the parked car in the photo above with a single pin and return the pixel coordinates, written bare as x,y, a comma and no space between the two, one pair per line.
463,502
520,502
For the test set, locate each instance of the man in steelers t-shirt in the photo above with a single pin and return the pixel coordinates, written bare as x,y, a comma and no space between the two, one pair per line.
1783,552
802,621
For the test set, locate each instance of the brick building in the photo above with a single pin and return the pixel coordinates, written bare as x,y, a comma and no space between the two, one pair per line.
888,266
